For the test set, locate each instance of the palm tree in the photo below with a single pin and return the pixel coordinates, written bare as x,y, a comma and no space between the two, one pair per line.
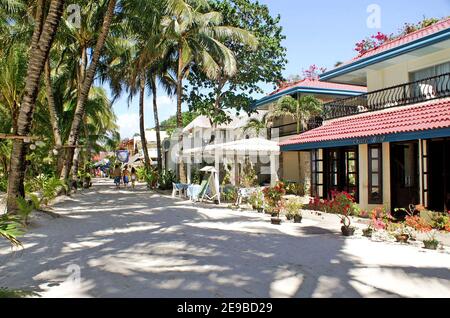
85,83
197,36
41,42
300,109
258,125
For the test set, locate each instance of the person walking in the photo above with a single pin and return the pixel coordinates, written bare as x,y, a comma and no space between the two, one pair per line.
133,177
117,175
126,176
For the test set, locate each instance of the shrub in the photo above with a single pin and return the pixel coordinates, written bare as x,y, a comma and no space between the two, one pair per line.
50,188
274,197
293,207
256,200
295,189
230,194
3,184
440,221
166,179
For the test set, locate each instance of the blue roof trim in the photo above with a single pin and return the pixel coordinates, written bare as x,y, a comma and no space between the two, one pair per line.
302,89
386,55
426,134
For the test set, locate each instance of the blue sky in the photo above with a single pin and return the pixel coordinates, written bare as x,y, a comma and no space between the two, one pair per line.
319,32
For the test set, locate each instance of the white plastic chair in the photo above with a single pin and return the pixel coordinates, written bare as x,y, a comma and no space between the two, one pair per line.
175,190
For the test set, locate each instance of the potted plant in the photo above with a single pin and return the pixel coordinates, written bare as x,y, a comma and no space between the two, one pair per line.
293,210
431,243
274,200
256,200
398,230
368,231
347,229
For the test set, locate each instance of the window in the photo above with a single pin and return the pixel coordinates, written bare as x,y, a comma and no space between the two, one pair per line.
316,174
429,86
375,174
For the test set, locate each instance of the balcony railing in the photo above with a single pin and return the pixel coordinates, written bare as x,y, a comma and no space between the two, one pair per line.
401,95
291,129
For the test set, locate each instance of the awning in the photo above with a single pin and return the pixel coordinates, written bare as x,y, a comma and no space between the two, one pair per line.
252,145
420,121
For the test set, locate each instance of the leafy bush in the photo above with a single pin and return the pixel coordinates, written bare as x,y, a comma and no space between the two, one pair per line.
249,177
25,209
293,207
341,203
230,194
295,189
11,228
441,221
166,179
3,184
256,200
50,188
196,176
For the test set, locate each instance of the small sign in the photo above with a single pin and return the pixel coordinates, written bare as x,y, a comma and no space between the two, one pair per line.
123,156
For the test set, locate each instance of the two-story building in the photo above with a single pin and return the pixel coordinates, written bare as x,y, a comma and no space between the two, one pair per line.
390,146
294,166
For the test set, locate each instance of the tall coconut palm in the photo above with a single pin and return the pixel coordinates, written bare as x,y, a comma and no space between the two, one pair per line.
86,81
42,39
197,35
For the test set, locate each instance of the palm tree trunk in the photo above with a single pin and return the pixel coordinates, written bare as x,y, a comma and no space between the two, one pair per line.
54,118
142,121
157,127
84,92
181,169
45,34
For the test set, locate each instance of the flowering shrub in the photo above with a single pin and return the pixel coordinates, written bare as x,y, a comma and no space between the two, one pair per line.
274,197
313,72
341,203
379,39
380,218
371,43
419,224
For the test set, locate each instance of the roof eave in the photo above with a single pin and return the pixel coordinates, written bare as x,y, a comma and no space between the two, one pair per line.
301,89
386,55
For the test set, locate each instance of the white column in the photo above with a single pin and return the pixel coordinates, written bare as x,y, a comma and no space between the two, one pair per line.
274,163
188,170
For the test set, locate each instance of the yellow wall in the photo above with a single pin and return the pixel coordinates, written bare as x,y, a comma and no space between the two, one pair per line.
399,73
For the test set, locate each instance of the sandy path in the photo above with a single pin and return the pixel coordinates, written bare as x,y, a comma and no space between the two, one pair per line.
113,243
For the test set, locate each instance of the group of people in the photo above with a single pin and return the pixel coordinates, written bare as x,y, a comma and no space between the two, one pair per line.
124,176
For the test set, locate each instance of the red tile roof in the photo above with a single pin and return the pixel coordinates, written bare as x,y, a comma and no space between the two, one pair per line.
309,83
439,26
419,117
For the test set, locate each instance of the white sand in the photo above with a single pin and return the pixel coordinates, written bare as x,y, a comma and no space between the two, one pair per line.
113,243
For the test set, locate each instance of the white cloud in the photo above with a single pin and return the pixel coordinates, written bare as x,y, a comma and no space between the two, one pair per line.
129,124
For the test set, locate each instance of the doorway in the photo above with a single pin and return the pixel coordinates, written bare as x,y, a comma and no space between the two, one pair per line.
405,174
439,175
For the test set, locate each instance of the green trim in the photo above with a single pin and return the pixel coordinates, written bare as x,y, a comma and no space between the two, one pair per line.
389,54
427,134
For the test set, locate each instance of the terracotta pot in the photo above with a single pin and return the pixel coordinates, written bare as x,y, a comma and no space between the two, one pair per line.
402,238
276,221
348,231
298,219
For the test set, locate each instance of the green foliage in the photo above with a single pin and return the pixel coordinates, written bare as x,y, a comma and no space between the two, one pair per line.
295,188
25,209
249,177
214,98
196,176
50,188
256,200
16,293
3,184
151,177
230,194
293,207
11,228
170,125
166,179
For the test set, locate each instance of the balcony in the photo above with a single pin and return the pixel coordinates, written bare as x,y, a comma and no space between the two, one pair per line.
291,129
406,94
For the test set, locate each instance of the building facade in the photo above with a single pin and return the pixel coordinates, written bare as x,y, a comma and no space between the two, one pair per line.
390,146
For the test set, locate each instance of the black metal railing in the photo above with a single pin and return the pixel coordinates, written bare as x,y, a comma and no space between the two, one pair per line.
291,129
400,95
